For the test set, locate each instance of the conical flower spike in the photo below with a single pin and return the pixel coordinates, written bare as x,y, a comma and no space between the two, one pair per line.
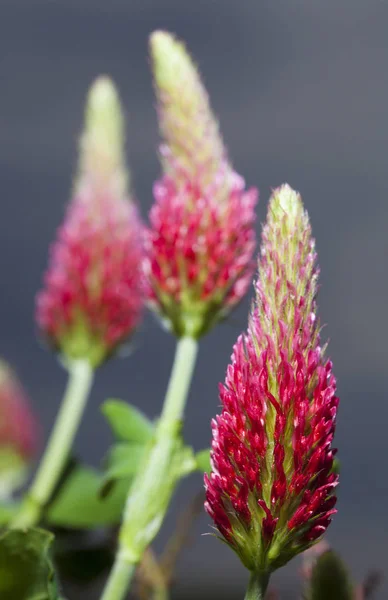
193,147
92,299
18,433
271,491
201,239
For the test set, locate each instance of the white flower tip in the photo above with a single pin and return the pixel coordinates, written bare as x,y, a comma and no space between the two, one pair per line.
103,91
103,105
162,45
161,39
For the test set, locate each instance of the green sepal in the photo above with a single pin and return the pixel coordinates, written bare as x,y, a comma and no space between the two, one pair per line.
79,504
26,571
330,579
127,422
336,466
202,459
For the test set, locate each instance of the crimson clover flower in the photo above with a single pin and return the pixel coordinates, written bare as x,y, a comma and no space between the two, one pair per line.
201,238
93,291
271,491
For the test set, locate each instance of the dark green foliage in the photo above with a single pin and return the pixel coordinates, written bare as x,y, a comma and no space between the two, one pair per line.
26,571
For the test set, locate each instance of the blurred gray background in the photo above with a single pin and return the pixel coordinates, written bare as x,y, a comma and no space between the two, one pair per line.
301,91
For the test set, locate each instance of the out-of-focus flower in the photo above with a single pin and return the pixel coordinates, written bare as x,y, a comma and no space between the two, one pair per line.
92,298
271,489
201,238
18,432
310,556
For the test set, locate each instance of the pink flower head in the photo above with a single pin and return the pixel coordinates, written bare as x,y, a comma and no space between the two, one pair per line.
271,492
18,432
201,238
92,299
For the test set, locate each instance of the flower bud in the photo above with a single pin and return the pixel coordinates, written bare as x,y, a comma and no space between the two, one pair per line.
201,238
271,491
18,433
92,298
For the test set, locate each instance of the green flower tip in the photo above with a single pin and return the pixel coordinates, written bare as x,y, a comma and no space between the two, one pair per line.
190,132
170,58
103,138
286,203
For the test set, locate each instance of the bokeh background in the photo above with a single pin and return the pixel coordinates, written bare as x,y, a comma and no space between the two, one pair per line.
301,91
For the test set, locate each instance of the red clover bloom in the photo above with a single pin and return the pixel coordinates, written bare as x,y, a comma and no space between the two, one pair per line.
92,298
18,432
271,492
201,237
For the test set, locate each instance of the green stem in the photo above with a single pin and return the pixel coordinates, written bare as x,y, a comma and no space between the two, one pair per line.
151,491
119,578
59,444
178,386
161,593
257,586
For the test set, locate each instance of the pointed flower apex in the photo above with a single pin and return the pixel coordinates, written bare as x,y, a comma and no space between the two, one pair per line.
192,145
286,203
18,433
102,142
271,491
201,240
93,294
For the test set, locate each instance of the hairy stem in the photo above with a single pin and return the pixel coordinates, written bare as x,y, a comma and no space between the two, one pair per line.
257,586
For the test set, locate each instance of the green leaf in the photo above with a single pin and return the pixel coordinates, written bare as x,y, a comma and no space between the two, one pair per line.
79,503
184,461
122,463
127,422
203,460
329,579
26,571
8,510
123,460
